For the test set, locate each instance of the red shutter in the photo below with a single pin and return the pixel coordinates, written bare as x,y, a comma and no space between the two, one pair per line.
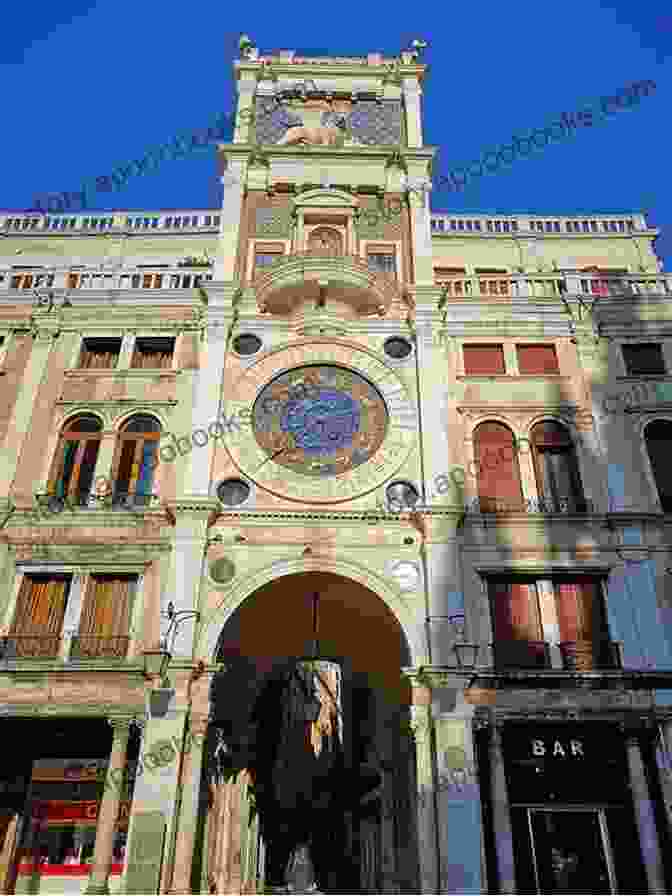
497,466
567,598
483,360
537,359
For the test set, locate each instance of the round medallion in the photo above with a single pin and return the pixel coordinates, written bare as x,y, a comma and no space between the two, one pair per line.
319,420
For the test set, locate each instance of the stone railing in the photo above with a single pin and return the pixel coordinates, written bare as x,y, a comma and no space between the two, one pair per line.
313,264
167,278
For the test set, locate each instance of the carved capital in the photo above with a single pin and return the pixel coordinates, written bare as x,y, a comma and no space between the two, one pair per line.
121,728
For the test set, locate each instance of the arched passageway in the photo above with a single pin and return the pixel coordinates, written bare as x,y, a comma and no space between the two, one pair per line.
344,769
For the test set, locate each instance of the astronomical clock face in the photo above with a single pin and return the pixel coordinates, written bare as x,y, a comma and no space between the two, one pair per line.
329,421
319,420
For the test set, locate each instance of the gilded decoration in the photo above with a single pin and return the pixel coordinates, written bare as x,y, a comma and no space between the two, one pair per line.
320,420
361,407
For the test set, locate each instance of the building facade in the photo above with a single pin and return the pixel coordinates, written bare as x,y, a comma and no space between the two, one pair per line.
323,421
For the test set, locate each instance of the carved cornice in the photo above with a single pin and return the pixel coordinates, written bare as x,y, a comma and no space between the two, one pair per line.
197,506
109,555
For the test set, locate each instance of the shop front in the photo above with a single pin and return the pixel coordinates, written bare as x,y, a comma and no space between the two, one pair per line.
572,815
57,843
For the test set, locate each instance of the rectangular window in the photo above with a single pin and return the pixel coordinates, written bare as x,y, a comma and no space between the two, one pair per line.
153,352
40,610
104,624
579,618
100,353
266,254
382,262
517,628
537,359
454,281
483,360
644,359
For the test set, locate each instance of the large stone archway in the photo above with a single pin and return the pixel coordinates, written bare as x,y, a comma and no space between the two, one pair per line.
271,628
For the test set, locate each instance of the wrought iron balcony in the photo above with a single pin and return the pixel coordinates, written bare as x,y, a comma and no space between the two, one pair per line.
566,504
95,646
579,656
521,655
76,501
588,656
16,646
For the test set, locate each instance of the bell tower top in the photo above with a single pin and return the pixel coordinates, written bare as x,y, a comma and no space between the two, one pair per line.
371,100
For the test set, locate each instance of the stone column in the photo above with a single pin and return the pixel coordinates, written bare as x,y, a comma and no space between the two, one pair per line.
102,485
501,817
421,233
109,810
426,814
230,215
190,789
412,93
207,430
459,799
181,579
664,762
646,825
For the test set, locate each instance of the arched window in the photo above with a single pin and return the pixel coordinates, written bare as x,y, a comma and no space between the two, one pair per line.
76,456
135,459
325,241
499,487
556,469
658,438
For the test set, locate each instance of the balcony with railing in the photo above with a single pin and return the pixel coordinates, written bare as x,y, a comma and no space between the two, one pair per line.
568,504
571,656
16,223
519,224
50,503
99,647
551,286
30,646
181,277
292,280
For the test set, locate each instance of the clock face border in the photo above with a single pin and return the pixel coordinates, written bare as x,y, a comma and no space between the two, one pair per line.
254,462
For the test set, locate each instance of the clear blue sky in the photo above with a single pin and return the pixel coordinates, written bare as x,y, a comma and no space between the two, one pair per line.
87,86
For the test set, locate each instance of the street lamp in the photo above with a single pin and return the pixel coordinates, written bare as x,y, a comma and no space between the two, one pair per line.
156,661
466,652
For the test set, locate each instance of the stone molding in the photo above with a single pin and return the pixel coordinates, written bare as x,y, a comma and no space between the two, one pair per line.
402,609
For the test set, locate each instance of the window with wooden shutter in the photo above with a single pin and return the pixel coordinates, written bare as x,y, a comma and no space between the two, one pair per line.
135,460
517,629
483,360
453,280
98,354
75,461
38,619
581,622
152,353
499,486
556,470
104,624
493,281
537,359
658,438
644,359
